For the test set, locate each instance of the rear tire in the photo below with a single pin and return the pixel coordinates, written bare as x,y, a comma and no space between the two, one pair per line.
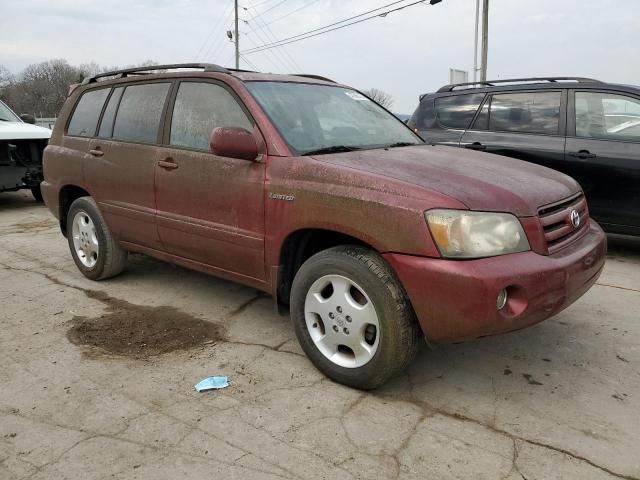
352,317
95,252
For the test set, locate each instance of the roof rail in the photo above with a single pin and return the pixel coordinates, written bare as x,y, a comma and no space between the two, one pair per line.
315,77
491,83
207,67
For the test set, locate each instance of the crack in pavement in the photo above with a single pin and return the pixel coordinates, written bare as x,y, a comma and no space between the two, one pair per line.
464,418
428,410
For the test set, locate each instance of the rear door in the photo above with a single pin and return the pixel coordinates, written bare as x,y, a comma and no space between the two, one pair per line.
210,208
123,154
526,125
603,145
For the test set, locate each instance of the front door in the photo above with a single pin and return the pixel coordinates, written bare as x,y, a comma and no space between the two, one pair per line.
210,208
603,143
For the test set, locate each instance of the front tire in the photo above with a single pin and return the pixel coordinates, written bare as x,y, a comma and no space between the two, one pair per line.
352,317
95,252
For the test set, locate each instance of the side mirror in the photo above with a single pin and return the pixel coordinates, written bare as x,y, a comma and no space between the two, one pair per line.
26,118
233,142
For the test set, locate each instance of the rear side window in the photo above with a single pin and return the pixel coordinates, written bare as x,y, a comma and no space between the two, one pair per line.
106,125
87,112
424,118
140,112
201,107
531,112
607,116
459,110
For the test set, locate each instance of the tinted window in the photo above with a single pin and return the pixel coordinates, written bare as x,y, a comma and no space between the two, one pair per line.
535,112
424,118
140,111
106,125
85,117
201,107
482,120
608,116
458,111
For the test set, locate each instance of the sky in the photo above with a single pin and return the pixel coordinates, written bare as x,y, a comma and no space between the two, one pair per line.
405,53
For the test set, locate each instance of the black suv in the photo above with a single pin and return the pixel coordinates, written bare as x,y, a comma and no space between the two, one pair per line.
585,128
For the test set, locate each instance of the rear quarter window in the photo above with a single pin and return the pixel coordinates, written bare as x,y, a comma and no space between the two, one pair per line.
140,112
85,117
457,111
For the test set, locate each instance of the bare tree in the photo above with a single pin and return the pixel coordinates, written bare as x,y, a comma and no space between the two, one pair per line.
383,98
6,77
42,88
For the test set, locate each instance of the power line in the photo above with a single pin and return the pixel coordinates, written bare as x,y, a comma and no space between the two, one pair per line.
285,42
271,58
216,46
269,33
216,29
341,21
287,61
286,15
271,8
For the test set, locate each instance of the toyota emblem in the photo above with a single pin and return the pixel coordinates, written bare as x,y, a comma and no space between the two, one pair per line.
575,219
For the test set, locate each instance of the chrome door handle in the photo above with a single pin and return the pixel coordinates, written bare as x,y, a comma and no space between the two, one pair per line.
96,152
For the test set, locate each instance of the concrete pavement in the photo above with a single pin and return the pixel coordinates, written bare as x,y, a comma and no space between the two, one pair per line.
96,381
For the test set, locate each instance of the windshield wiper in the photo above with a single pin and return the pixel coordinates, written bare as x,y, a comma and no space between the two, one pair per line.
401,144
333,149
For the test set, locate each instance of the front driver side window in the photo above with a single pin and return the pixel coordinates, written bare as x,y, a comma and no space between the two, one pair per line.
201,107
607,116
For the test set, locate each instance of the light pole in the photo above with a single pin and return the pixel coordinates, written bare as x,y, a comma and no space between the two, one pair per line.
237,38
475,43
485,39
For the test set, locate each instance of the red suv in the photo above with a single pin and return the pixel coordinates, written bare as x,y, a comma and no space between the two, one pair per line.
309,190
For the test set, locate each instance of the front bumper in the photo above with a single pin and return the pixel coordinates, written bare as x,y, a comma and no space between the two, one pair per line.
455,300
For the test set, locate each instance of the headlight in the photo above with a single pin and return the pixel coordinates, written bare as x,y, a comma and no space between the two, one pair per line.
465,234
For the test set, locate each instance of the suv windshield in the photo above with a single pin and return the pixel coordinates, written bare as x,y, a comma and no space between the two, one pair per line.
6,115
327,119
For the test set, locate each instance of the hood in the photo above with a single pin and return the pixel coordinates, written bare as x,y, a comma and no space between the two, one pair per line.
22,131
481,181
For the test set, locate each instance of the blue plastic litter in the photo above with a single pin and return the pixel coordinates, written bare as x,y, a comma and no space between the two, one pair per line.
211,383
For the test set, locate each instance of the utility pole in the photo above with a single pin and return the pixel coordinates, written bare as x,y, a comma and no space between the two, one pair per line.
237,39
485,39
475,43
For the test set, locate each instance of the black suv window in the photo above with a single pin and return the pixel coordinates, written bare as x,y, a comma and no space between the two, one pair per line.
607,116
140,111
459,110
201,107
530,112
85,117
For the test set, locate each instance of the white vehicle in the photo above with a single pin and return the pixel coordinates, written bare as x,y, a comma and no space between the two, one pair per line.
21,147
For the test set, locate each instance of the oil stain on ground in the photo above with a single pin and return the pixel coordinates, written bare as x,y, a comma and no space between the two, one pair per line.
141,331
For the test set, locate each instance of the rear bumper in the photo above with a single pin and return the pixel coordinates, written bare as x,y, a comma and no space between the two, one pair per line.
50,197
456,300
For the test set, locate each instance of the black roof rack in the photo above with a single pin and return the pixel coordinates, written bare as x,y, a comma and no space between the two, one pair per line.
207,67
491,83
315,77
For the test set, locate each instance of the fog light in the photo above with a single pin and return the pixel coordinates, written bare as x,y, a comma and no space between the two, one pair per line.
502,299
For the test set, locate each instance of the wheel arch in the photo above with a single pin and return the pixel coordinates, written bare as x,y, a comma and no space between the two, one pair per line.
67,195
301,244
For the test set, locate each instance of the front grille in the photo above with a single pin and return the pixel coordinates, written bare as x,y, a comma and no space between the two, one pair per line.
558,227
